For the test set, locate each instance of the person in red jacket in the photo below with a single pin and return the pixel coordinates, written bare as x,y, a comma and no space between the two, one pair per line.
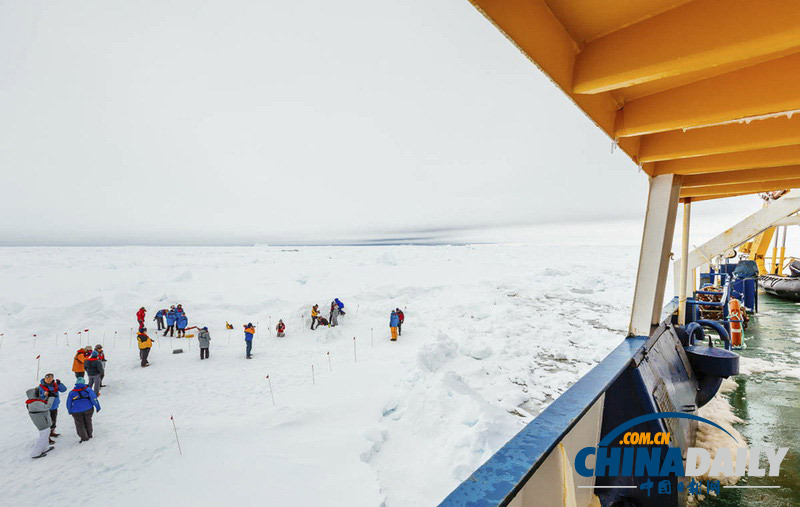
401,316
140,317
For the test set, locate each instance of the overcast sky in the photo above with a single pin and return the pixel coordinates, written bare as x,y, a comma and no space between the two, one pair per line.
244,121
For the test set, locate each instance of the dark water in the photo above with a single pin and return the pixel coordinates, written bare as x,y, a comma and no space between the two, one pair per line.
769,404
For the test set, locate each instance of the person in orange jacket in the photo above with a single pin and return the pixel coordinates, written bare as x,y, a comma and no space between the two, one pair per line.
77,362
249,331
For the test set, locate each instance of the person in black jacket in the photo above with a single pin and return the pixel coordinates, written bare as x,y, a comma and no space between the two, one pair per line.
94,370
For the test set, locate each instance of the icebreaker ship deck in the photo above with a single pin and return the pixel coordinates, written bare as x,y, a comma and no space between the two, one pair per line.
700,95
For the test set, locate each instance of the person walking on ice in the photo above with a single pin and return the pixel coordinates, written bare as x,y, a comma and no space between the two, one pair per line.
102,356
94,371
401,317
145,344
50,387
81,404
249,331
78,367
281,329
394,323
39,411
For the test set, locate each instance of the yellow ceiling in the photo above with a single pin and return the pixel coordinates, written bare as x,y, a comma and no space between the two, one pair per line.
703,88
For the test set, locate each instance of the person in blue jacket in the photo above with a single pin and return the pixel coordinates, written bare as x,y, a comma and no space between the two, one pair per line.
249,331
81,404
50,387
159,318
181,321
394,323
340,305
171,317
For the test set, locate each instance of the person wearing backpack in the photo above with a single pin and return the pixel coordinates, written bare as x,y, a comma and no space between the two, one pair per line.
50,387
249,331
171,316
94,370
39,410
81,404
281,329
145,344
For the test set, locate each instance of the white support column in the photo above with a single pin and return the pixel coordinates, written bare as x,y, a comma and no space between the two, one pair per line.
651,277
684,274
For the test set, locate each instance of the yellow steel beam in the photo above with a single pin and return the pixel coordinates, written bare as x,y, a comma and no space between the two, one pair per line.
587,20
759,249
767,88
533,28
683,40
746,176
713,197
768,157
740,188
721,139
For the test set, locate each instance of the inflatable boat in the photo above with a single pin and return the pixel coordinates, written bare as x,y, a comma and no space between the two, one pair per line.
787,287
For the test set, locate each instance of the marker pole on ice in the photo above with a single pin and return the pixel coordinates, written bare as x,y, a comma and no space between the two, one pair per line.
313,380
270,390
355,357
176,434
38,358
34,342
330,367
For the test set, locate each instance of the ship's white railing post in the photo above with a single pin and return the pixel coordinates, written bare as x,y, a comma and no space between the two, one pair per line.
654,257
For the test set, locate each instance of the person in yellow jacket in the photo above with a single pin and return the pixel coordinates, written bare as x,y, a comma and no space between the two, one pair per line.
145,344
314,316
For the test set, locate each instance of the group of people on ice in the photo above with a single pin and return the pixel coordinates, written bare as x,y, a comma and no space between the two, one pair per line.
337,309
82,401
44,400
168,320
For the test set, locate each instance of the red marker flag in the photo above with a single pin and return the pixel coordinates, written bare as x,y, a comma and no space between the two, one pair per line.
37,357
86,330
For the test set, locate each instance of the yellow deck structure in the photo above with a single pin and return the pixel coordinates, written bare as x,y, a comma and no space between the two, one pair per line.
704,89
